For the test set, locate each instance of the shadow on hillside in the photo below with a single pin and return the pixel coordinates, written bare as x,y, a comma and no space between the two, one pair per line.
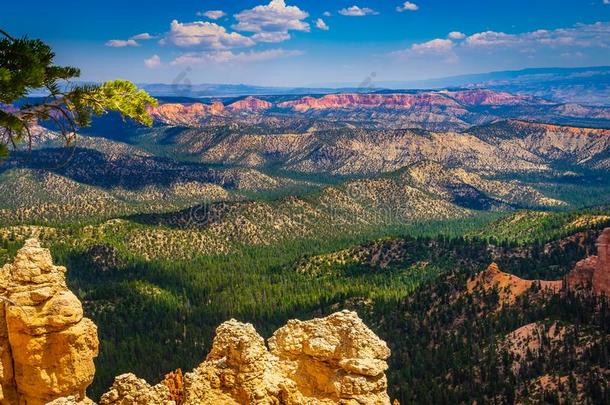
199,216
94,168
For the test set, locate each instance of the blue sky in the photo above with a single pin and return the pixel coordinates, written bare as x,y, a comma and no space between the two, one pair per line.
306,42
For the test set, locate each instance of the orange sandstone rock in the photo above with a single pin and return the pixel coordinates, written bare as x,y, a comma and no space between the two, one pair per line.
509,286
332,360
43,333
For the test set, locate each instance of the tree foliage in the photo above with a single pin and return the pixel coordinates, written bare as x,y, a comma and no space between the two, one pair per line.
26,65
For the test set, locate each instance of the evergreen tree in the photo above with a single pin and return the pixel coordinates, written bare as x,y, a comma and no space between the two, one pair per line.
26,65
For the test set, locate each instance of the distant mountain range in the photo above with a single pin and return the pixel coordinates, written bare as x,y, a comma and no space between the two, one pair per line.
584,85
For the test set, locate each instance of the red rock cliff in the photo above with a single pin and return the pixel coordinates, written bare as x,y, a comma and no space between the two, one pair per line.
594,271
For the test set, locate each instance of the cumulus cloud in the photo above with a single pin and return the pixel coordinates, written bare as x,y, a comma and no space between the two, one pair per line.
205,35
355,11
142,37
212,14
434,46
328,13
219,57
606,1
407,6
438,48
271,36
456,35
272,22
491,38
121,43
321,24
153,62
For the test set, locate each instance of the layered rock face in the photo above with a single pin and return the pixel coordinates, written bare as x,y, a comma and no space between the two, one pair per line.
332,360
250,104
594,271
185,114
192,114
390,101
47,347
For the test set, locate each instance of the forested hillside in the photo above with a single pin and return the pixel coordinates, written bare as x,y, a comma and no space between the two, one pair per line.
166,309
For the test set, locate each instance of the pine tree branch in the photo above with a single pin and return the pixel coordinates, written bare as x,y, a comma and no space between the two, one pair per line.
6,35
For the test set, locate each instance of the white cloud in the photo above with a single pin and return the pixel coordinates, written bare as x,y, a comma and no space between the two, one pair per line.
606,1
542,45
437,48
218,57
322,25
271,36
212,14
272,22
328,13
407,6
142,37
579,35
121,43
355,11
456,35
206,35
491,38
153,62
434,46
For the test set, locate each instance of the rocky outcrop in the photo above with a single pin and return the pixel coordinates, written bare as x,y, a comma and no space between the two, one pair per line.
336,359
509,286
591,274
47,346
594,271
332,360
131,390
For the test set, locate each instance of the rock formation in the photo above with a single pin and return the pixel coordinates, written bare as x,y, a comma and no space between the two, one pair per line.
591,274
509,286
250,104
388,101
47,347
594,271
331,360
185,114
131,390
336,359
192,114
